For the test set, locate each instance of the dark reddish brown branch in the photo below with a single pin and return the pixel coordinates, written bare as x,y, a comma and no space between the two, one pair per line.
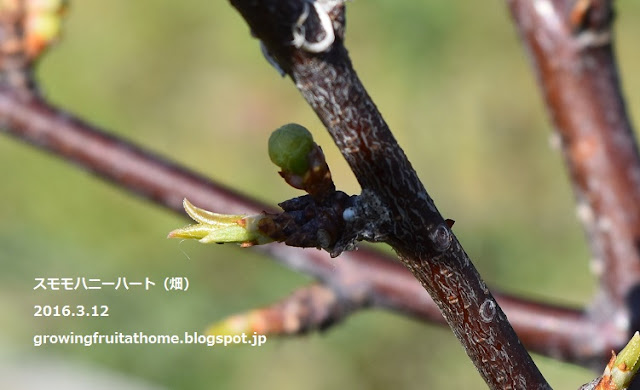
405,215
363,278
113,159
572,53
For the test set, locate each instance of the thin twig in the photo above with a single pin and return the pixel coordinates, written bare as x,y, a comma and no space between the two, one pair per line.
308,309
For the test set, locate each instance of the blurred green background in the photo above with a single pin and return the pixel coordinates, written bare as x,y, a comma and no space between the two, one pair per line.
186,80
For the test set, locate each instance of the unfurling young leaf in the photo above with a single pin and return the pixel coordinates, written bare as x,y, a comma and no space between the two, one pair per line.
221,228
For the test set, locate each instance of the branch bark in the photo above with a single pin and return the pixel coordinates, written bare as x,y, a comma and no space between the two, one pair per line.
411,223
571,47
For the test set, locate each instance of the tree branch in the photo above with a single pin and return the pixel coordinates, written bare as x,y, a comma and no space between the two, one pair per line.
363,278
308,309
319,65
571,47
409,220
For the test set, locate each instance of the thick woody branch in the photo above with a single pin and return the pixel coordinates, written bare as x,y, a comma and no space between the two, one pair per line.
571,47
406,217
361,278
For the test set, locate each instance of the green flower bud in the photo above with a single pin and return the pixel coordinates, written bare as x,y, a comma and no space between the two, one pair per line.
289,147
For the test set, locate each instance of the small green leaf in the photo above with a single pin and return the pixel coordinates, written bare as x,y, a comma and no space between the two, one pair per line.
289,148
221,228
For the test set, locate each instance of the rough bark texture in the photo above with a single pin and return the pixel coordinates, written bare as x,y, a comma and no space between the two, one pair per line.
411,223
